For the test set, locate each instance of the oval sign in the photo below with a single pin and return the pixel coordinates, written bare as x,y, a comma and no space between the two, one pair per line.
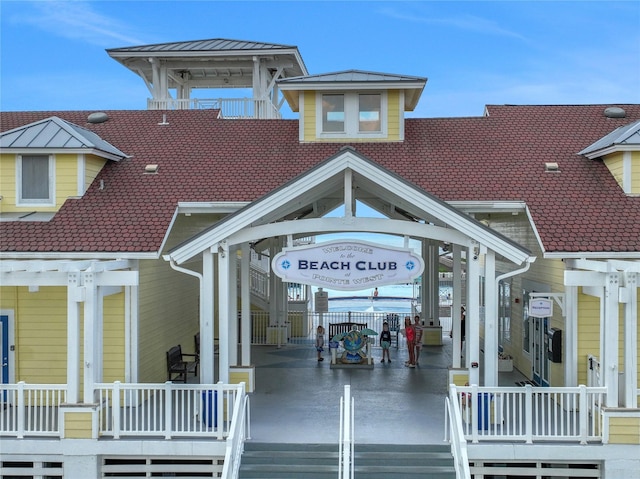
347,265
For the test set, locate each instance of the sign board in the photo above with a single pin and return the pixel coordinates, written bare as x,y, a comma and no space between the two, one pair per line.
347,265
541,308
321,301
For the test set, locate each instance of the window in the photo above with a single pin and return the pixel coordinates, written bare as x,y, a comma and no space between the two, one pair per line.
35,180
504,311
351,115
526,332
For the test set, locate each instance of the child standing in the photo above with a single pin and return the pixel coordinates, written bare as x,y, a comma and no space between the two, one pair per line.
320,342
385,342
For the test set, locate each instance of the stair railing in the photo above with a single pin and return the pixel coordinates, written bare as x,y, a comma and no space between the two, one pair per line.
454,433
346,442
240,431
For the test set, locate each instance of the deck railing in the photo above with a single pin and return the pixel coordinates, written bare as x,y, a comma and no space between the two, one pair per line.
240,431
231,108
530,414
30,409
166,409
455,435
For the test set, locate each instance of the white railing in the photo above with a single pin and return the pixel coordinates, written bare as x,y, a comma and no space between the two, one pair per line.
240,431
530,414
166,409
231,108
30,409
346,466
453,424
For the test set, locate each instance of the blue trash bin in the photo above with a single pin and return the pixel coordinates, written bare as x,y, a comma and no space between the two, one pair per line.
484,411
210,408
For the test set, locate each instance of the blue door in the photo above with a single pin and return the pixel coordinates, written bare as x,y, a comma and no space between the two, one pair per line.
4,352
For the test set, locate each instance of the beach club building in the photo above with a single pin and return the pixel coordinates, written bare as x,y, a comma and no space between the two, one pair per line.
133,247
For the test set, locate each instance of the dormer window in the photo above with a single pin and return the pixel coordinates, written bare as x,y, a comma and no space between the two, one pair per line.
35,180
351,115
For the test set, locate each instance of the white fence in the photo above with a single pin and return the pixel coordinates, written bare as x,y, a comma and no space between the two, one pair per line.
231,108
30,409
530,414
166,409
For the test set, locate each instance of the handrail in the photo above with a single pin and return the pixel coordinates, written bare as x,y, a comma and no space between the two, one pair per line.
241,430
346,443
456,439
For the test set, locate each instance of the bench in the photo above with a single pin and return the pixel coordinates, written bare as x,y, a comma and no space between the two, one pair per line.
345,327
178,369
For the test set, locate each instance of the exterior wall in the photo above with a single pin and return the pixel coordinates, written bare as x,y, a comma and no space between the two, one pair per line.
614,163
66,177
41,334
635,173
624,430
394,118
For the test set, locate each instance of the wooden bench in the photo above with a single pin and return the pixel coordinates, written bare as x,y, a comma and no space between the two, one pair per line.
345,327
178,369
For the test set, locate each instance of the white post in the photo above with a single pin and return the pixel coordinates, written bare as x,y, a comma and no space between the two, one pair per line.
490,321
610,366
90,323
245,298
207,303
74,297
223,311
233,305
473,313
631,340
456,331
571,337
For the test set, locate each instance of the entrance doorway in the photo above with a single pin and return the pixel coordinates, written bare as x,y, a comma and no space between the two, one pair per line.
540,347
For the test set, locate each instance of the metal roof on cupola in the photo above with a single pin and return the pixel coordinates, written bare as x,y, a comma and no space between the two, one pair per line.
54,134
211,64
354,80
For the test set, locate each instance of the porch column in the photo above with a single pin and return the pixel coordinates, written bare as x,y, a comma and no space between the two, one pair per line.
473,314
223,311
92,361
490,321
456,318
245,298
630,339
207,366
610,366
74,298
571,337
233,305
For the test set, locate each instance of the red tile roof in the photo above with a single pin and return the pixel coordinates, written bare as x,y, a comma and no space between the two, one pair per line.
497,157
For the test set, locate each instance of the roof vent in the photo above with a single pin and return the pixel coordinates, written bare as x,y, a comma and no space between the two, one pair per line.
615,112
551,167
151,169
97,117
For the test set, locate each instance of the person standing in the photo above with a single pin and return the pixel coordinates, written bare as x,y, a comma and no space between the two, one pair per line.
419,330
410,335
320,342
385,341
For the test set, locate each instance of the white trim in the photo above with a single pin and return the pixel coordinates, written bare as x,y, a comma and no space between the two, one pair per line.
602,255
610,149
210,206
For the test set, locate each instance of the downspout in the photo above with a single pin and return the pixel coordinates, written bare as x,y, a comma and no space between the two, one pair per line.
184,270
513,273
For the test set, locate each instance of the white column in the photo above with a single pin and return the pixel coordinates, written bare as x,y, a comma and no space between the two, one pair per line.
631,340
610,366
456,331
571,337
245,296
207,303
233,306
490,321
90,333
473,314
223,311
75,295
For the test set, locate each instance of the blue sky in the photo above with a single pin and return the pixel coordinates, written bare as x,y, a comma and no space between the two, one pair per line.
473,53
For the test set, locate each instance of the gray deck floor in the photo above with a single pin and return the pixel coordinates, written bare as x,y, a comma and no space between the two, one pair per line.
297,398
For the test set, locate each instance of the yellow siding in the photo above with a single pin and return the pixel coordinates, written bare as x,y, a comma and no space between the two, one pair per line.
113,330
614,163
92,167
78,425
635,173
310,116
394,115
8,182
588,332
624,430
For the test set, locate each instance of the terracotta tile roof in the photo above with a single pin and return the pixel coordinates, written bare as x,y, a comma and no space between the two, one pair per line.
497,157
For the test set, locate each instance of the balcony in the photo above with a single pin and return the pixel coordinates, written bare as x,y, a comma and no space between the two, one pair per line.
230,108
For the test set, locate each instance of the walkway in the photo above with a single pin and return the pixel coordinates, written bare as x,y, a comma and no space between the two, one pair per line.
297,398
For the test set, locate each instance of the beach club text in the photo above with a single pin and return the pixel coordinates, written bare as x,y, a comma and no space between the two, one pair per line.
347,265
